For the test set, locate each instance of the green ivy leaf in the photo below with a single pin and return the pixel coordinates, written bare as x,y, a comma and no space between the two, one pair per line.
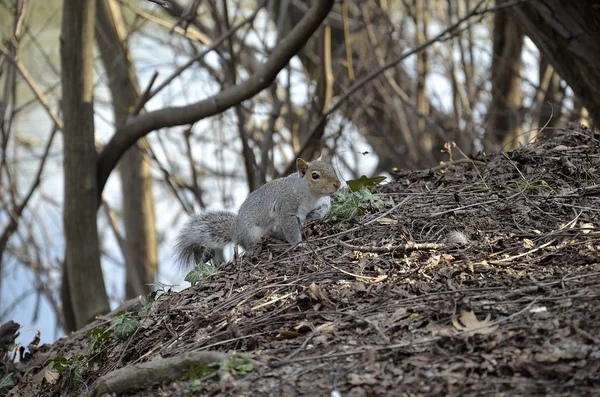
203,269
59,363
126,325
97,337
356,184
348,204
239,364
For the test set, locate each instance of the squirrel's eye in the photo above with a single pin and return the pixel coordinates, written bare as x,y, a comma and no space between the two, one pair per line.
315,175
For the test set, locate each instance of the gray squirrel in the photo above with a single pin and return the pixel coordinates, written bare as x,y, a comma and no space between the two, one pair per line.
273,209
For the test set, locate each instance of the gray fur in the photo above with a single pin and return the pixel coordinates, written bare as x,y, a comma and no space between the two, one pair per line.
203,235
277,209
324,205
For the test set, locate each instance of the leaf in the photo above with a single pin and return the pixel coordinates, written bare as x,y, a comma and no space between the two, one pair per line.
59,363
239,364
126,326
303,326
326,328
6,381
348,204
97,332
527,243
586,227
468,322
97,337
356,184
51,375
286,334
203,269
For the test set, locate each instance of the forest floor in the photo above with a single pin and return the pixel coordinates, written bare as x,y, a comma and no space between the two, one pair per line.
483,278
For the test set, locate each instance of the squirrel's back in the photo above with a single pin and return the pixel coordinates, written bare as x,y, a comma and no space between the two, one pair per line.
263,210
277,209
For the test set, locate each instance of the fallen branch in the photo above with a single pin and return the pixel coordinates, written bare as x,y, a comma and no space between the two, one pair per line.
139,376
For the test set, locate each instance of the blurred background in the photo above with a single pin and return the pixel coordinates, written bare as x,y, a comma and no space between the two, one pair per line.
478,80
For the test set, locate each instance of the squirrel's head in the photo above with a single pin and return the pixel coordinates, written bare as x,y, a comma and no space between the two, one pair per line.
320,176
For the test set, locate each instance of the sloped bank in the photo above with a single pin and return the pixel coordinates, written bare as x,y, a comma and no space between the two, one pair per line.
383,304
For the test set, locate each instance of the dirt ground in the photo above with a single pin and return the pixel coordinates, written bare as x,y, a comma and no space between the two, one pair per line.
383,304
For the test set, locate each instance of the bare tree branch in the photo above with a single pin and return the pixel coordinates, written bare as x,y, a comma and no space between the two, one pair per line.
442,36
141,125
36,90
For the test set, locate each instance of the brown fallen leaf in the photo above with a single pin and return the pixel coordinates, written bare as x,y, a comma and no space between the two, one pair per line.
326,328
303,326
51,375
467,321
286,334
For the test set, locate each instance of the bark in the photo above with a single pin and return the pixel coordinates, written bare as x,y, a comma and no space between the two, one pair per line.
141,260
568,34
551,108
504,120
425,139
548,102
84,275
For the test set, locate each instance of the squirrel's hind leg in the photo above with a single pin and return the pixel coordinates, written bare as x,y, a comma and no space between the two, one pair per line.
249,236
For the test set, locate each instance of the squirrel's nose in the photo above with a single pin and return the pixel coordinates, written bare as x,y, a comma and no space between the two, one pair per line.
336,184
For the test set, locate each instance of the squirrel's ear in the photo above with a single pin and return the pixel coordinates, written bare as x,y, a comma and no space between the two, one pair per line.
322,155
302,166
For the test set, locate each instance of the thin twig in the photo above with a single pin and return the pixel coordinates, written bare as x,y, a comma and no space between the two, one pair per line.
392,248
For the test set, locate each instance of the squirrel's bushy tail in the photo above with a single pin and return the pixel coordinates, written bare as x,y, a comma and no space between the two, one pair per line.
202,235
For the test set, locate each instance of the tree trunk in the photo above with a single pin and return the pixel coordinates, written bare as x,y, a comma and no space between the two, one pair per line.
548,101
551,109
425,138
504,120
141,260
84,275
568,35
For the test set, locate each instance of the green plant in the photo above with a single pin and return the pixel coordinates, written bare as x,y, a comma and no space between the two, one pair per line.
348,204
193,387
538,184
98,336
201,270
125,324
356,184
74,367
238,364
591,178
526,185
6,381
